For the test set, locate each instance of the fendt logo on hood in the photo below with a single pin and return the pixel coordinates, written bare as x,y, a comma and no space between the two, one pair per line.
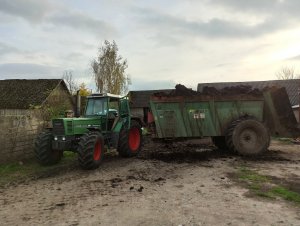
86,126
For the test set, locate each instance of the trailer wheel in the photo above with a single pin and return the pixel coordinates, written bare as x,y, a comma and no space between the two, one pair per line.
220,142
43,149
248,137
130,141
90,150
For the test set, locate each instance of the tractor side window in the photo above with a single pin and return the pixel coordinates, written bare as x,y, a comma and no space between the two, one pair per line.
113,107
96,107
124,107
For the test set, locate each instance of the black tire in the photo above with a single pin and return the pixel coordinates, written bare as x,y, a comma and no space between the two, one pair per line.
43,149
90,150
220,142
130,141
248,137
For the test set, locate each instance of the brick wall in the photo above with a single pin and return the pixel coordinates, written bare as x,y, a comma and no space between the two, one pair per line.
18,130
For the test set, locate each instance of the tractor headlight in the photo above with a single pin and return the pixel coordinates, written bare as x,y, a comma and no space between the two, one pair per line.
63,138
55,138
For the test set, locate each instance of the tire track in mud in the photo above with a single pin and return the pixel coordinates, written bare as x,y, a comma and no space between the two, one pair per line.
193,152
60,186
176,153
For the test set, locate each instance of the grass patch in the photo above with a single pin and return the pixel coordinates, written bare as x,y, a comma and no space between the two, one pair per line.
15,172
264,186
286,194
249,175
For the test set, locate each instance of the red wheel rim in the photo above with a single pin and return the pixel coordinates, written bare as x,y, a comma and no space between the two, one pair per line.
97,151
134,139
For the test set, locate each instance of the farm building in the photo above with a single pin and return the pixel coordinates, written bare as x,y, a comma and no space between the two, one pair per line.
292,87
26,106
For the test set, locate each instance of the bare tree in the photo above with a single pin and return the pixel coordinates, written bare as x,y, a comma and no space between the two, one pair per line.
287,73
109,70
70,81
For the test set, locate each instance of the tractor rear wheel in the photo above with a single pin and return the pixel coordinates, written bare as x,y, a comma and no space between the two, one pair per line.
220,142
43,149
90,150
248,137
130,141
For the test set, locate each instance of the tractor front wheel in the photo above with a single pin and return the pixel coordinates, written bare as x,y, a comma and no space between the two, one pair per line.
130,141
43,149
90,150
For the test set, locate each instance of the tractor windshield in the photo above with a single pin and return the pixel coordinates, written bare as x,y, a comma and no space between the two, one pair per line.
96,106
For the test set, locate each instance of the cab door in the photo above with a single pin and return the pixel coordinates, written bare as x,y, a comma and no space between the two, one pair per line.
124,114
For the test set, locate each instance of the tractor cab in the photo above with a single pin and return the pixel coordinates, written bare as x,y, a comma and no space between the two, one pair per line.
109,107
102,104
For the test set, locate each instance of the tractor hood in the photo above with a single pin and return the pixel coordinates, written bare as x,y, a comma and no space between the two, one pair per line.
77,126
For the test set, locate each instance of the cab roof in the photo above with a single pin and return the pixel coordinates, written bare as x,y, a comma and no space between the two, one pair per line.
105,95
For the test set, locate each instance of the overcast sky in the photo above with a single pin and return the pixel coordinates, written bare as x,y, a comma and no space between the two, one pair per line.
165,42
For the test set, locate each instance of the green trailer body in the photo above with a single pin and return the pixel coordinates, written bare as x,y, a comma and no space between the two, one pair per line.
187,118
211,116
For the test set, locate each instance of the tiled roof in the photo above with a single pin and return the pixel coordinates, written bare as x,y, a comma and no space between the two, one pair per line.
292,86
21,93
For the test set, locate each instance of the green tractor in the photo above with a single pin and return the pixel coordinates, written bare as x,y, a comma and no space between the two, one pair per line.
106,122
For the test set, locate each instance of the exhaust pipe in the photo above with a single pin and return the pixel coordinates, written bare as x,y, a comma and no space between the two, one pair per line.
78,104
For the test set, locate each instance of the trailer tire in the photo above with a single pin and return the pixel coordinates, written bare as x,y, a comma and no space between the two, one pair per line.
43,149
130,141
90,150
220,142
248,137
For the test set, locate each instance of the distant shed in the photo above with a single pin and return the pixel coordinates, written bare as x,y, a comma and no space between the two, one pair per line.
26,106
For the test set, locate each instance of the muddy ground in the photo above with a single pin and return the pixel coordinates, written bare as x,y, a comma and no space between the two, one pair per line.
194,184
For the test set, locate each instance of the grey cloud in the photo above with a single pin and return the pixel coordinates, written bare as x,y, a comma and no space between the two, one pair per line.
31,10
73,56
7,49
276,8
167,25
17,70
295,58
257,5
44,12
82,22
142,84
223,65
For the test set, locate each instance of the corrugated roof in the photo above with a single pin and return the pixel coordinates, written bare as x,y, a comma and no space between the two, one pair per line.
140,99
22,93
292,86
